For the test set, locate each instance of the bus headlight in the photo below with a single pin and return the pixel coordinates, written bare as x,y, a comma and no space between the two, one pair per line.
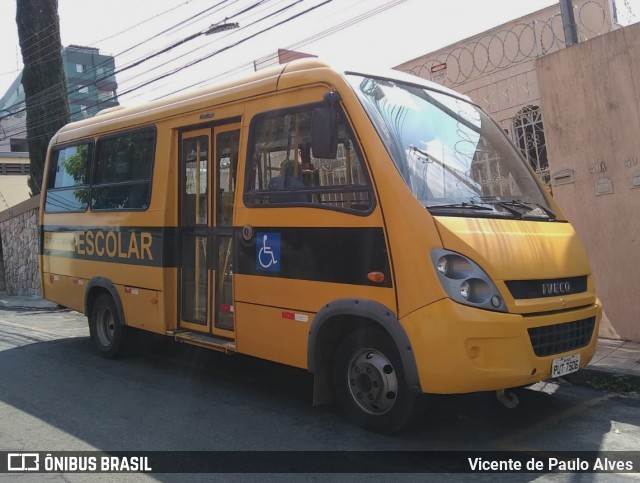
465,282
465,289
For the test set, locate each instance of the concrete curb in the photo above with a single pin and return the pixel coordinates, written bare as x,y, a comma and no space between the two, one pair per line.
26,302
605,380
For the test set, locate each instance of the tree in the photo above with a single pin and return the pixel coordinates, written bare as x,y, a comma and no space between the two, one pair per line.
43,79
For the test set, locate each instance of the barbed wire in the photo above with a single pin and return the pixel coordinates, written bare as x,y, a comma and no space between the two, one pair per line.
492,67
504,48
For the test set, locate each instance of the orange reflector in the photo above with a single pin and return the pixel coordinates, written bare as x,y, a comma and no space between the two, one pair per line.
376,277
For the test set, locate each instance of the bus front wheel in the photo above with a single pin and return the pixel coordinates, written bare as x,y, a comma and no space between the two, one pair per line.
105,328
370,383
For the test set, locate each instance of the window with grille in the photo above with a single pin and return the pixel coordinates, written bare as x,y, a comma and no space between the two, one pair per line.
528,132
282,168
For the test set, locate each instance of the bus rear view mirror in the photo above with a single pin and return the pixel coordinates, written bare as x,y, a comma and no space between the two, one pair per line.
324,129
324,133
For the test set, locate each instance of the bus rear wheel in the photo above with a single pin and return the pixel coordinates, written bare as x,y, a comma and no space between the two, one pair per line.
105,327
370,384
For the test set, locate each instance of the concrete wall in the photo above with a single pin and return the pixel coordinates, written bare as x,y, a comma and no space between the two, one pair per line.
590,107
496,68
14,179
20,247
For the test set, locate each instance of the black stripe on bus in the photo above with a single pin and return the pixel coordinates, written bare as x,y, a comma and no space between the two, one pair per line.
339,255
150,246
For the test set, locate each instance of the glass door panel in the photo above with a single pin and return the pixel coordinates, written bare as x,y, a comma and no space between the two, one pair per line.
207,228
194,166
194,279
227,141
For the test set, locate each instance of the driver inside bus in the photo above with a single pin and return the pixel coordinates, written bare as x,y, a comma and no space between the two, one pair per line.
310,175
287,179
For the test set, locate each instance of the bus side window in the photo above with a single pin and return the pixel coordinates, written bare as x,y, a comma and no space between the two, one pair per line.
283,168
123,169
67,185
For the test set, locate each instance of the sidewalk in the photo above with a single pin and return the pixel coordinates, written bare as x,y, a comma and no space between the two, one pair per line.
25,302
616,364
619,360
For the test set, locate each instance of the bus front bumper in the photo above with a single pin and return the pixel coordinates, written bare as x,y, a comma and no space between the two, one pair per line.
461,349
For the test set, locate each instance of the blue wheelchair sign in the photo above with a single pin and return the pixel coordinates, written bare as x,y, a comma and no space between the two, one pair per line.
268,252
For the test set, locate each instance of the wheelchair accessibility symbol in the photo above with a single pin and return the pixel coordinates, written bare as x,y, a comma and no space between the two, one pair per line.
268,252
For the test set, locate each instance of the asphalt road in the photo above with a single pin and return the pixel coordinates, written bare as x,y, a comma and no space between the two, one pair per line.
57,394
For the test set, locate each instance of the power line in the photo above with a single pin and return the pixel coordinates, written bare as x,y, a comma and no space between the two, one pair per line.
14,108
298,43
103,64
182,42
45,99
197,61
132,27
152,18
303,42
73,90
244,27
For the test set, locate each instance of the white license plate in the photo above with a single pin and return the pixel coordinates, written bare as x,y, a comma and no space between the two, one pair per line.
565,365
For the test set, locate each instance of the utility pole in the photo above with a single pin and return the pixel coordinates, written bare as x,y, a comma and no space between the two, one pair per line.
569,23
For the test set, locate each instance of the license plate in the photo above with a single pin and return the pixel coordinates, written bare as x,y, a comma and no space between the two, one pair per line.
565,365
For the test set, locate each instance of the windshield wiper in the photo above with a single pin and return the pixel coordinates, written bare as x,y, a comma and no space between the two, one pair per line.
513,207
463,205
526,205
506,205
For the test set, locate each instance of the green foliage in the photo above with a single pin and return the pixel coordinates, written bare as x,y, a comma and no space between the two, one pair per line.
76,165
614,383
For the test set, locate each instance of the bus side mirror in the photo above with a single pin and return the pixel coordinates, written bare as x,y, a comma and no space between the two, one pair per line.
324,128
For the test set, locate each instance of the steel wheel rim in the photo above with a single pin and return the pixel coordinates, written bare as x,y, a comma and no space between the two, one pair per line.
372,381
105,327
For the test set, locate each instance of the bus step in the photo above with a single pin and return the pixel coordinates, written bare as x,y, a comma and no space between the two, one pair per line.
207,341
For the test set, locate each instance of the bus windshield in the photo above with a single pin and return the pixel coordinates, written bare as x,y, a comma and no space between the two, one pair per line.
453,157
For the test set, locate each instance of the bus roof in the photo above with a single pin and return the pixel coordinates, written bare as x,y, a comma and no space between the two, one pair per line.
254,84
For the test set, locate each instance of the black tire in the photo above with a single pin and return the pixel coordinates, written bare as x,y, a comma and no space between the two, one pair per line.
370,382
105,327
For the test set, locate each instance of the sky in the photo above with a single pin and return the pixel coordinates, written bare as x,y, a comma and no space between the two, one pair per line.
400,30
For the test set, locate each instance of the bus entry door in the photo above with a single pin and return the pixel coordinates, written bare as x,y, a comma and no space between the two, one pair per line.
208,190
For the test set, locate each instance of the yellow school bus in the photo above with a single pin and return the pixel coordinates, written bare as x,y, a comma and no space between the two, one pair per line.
377,230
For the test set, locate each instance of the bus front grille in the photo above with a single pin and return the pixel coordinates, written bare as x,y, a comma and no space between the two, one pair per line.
531,289
558,338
